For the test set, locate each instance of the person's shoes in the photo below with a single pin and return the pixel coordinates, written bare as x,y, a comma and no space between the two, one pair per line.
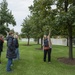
9,70
49,62
11,64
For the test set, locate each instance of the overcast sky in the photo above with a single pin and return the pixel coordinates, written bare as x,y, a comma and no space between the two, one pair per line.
20,11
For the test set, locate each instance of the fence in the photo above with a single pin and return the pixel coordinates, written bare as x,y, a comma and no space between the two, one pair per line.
62,41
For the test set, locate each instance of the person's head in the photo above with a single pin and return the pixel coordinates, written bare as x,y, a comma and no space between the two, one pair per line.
16,36
11,33
45,36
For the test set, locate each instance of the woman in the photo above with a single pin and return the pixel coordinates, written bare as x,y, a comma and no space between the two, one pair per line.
47,48
10,51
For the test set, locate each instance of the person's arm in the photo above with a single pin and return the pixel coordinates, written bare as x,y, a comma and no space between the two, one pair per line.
7,34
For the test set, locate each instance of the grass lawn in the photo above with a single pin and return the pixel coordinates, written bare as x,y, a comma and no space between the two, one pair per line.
31,62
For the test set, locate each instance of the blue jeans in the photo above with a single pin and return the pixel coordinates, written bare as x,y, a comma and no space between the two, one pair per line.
9,64
17,53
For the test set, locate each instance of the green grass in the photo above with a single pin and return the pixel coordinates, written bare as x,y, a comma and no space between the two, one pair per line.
31,62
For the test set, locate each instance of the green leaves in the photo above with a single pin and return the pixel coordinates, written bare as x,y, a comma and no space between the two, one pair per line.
6,16
26,27
43,15
57,20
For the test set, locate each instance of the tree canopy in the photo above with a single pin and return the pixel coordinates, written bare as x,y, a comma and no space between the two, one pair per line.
6,17
60,21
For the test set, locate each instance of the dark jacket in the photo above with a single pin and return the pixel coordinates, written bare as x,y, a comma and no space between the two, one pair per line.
46,44
10,47
1,44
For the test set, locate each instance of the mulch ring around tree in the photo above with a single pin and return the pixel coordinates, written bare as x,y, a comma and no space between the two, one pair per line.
67,60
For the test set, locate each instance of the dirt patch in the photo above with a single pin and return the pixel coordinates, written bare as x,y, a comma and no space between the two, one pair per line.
67,60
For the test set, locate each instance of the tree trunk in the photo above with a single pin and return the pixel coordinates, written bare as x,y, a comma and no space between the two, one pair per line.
69,32
28,41
70,42
38,41
66,5
67,41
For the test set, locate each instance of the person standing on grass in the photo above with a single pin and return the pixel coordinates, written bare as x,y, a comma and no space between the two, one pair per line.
1,46
16,46
47,48
10,51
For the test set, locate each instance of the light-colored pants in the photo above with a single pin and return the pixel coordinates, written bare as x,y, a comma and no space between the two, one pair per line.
17,53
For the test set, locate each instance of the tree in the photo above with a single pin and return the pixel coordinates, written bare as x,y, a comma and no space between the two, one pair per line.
60,20
26,28
65,20
6,16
